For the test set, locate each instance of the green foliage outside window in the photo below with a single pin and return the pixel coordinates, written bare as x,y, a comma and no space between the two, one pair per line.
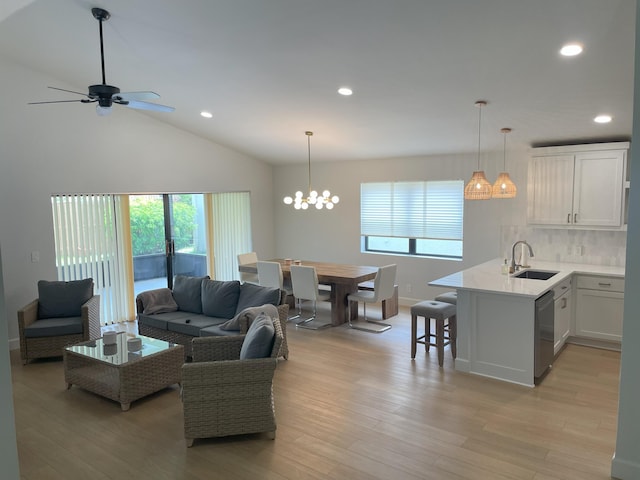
147,226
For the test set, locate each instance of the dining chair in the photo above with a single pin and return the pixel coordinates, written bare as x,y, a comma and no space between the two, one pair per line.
304,281
383,289
243,259
270,275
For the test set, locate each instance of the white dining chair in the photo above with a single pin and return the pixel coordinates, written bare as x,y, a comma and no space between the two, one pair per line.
304,281
243,259
383,289
270,275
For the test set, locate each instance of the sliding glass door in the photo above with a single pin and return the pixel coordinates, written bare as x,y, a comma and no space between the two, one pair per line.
168,238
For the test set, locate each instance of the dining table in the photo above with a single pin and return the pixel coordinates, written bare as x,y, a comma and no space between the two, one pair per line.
342,278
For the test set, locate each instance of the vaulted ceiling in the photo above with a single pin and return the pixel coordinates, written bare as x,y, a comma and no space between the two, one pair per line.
268,70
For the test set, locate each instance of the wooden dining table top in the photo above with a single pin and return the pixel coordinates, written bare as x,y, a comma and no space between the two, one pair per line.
327,272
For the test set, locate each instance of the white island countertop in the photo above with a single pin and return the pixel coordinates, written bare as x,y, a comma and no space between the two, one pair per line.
487,277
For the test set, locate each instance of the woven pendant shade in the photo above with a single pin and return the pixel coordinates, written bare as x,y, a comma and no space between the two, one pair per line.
504,187
478,187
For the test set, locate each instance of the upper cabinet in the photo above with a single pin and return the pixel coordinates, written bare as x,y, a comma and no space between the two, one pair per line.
580,186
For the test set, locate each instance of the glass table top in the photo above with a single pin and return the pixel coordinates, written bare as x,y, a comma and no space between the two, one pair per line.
119,352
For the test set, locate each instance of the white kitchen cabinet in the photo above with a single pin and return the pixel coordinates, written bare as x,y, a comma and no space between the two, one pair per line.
599,307
578,186
563,314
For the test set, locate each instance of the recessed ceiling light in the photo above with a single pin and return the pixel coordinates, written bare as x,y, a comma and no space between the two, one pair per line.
206,114
571,49
346,91
602,119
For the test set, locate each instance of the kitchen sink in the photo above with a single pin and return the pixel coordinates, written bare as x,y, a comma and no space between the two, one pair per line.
535,274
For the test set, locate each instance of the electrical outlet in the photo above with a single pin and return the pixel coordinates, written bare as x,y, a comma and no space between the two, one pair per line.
35,256
409,288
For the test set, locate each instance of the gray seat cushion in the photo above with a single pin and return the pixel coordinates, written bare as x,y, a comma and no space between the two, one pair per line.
187,292
217,331
192,324
258,342
254,295
433,309
63,299
159,320
53,327
219,299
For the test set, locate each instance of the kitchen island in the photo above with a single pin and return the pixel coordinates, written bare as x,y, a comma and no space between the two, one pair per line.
496,316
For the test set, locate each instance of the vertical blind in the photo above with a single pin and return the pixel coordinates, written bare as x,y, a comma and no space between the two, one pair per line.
428,210
88,246
231,231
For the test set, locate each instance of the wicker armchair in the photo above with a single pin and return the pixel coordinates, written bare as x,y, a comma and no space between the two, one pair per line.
57,332
223,395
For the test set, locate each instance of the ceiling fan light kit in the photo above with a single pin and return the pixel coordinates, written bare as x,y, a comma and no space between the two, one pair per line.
106,95
300,202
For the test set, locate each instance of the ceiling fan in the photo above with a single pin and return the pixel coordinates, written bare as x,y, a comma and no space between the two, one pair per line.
107,95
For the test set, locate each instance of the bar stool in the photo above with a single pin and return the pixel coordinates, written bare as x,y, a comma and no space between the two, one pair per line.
446,327
448,297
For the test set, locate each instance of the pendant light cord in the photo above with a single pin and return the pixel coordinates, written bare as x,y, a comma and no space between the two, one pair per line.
308,134
479,124
479,104
504,130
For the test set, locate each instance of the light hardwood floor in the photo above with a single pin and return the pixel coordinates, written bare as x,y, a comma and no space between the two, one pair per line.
349,405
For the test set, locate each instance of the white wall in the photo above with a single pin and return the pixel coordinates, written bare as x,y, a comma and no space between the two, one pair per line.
8,447
335,235
67,148
626,461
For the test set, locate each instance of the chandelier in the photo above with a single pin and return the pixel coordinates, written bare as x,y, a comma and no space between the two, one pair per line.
312,198
478,187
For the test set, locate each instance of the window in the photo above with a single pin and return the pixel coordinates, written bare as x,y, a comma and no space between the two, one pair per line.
412,218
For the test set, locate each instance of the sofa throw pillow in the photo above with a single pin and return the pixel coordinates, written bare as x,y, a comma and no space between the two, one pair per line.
159,300
187,292
252,295
219,299
249,314
63,299
258,342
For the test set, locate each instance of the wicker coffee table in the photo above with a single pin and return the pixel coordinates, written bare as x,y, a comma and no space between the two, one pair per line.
115,373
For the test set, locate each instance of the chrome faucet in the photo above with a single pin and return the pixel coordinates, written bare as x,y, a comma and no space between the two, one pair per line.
513,266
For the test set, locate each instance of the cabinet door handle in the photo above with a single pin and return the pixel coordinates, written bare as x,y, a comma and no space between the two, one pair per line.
575,218
604,284
568,218
564,303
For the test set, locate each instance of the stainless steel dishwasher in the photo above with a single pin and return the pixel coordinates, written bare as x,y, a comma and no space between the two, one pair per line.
544,320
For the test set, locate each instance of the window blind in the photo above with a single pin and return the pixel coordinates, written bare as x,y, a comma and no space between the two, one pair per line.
88,245
428,210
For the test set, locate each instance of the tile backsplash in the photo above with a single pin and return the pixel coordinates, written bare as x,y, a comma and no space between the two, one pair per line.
596,247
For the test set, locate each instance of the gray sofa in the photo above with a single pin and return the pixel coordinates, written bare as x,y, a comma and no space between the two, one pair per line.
199,307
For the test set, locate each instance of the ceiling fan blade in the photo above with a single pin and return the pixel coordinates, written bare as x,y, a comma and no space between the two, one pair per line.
70,91
148,106
129,96
57,101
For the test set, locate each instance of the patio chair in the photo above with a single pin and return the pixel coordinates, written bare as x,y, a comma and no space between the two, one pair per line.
63,314
228,388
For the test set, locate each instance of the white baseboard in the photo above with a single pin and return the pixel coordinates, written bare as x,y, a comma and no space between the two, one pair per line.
14,344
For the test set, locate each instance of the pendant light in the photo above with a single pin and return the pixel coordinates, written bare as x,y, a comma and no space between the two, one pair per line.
478,187
312,198
504,187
